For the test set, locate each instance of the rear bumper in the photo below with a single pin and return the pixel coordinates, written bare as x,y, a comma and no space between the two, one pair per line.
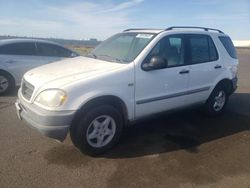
234,83
53,124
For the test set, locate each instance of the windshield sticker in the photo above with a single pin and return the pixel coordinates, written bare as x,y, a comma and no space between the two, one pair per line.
146,36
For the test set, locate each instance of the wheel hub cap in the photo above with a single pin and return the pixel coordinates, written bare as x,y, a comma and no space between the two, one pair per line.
101,131
3,84
219,101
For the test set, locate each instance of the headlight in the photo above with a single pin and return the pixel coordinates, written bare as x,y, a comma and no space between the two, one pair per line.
51,98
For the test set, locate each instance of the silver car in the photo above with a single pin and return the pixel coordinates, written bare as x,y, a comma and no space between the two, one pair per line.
17,56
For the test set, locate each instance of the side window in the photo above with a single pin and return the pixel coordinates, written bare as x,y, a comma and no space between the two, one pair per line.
199,49
176,51
213,54
171,49
228,45
27,48
202,49
52,50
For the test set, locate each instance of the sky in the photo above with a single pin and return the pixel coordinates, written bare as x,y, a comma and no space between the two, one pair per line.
83,19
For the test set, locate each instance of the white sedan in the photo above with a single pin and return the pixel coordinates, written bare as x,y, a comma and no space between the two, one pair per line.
17,56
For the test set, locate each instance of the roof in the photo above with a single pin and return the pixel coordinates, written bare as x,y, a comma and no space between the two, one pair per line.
177,29
19,40
144,30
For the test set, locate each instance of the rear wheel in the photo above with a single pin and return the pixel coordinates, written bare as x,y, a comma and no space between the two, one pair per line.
98,130
217,101
7,83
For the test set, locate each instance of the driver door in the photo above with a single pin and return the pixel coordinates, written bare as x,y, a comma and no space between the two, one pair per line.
163,89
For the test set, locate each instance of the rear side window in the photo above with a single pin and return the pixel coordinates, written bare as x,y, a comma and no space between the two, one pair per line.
228,44
202,49
213,55
52,50
28,48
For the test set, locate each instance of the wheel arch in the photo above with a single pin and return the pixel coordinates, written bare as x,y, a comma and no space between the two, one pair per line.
226,82
8,73
114,101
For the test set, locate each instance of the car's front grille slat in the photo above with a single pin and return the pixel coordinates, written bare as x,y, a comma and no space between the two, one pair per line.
27,90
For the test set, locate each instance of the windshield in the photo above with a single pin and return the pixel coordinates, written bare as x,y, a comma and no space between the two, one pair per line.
122,48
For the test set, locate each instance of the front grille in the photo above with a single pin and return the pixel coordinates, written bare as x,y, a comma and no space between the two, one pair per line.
27,90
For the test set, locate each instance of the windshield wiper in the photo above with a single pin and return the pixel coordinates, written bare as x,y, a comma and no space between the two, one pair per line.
110,57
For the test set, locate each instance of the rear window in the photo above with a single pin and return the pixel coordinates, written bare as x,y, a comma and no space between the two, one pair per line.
228,44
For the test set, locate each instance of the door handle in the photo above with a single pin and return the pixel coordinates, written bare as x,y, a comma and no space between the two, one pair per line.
218,67
184,72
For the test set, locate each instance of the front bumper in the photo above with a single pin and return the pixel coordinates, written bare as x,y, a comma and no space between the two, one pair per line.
53,124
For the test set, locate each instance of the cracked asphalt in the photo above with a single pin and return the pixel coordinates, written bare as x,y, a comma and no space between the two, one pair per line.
183,149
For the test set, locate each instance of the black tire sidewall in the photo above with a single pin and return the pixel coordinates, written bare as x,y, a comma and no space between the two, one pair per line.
80,128
210,102
11,82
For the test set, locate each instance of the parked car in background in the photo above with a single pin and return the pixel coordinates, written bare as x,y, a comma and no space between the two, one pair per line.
17,56
132,75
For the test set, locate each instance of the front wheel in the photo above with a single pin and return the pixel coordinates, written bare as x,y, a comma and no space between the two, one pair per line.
217,101
98,130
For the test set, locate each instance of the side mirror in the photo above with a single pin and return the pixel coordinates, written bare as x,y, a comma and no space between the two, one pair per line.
156,62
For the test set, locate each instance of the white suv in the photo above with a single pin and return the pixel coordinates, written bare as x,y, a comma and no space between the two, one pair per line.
130,76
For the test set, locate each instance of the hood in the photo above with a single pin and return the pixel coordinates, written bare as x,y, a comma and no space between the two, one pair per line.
69,70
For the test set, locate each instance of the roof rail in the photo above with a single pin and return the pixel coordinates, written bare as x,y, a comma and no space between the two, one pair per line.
140,29
193,27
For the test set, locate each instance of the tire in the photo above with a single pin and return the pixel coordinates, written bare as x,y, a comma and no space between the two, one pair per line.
97,130
217,101
7,83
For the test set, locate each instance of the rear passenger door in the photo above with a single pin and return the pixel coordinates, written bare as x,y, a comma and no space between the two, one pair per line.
205,67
